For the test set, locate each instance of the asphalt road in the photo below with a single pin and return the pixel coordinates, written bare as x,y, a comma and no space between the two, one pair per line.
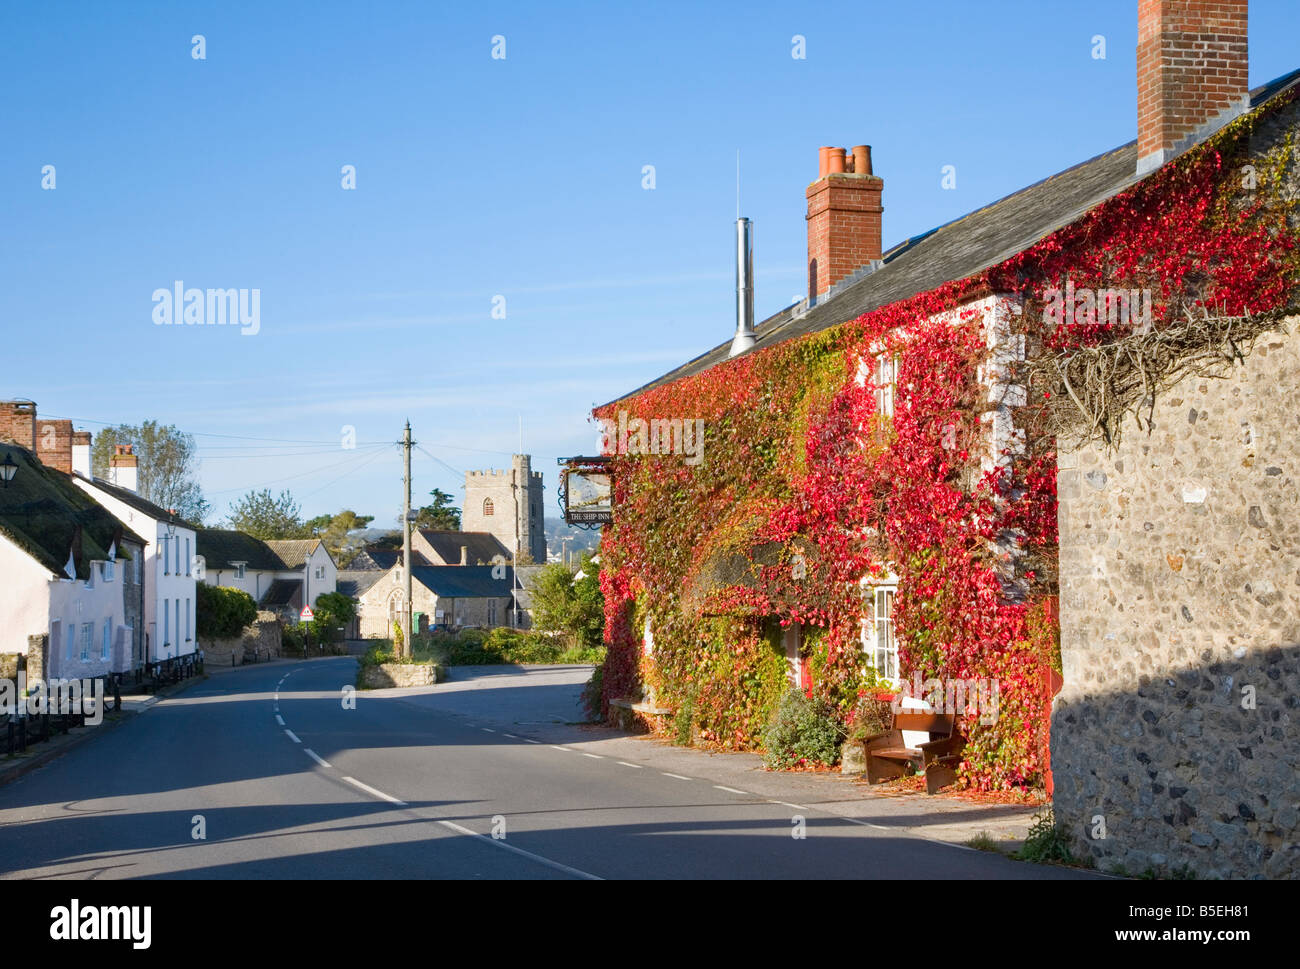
286,782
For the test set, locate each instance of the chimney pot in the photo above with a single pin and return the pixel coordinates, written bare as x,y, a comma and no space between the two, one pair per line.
464,555
862,159
835,157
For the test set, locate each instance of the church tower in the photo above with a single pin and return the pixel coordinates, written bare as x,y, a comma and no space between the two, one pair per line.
509,505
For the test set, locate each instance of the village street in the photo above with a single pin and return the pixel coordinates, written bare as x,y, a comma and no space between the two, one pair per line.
414,783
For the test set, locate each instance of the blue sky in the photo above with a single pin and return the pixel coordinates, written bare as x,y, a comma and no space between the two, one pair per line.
478,177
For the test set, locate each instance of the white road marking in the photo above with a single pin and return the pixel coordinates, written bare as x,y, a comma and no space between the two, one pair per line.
276,698
510,735
527,741
678,776
797,807
313,755
565,749
730,789
487,729
292,736
626,764
370,790
592,756
279,719
575,872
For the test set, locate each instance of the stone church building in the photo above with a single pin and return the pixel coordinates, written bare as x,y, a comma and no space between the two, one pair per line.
510,506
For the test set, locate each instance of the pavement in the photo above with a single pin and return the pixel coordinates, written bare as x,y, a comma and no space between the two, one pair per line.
280,770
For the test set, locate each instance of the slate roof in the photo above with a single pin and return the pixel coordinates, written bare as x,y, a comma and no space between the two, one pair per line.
45,515
482,545
354,582
154,511
281,592
960,248
372,558
464,581
222,546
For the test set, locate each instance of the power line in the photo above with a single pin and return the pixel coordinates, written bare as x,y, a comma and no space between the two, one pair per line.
292,477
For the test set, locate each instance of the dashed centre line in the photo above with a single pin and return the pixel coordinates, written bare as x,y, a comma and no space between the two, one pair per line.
592,756
575,872
731,790
678,776
626,764
314,756
279,719
376,792
292,736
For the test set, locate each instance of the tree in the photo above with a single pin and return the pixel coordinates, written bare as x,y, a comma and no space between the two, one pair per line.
570,606
168,465
336,532
263,516
442,515
332,609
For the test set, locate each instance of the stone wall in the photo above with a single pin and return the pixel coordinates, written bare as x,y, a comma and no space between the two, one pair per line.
262,638
388,675
1178,727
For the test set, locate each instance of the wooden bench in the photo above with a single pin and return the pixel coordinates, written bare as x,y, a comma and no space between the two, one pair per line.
888,756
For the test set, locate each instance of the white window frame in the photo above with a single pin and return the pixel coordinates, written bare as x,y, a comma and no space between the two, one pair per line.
884,378
240,569
106,644
187,620
879,638
189,559
87,634
106,571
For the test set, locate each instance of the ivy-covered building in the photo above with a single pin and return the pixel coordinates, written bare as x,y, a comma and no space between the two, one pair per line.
876,499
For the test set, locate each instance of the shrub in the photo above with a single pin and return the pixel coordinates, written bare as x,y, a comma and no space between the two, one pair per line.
802,731
222,612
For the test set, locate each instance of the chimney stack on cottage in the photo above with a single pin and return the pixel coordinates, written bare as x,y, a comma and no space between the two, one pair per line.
1191,73
464,555
844,210
123,468
81,453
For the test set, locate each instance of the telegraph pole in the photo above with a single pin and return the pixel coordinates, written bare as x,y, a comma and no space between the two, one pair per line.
406,543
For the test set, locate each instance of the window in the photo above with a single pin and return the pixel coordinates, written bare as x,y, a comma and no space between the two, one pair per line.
320,571
487,507
136,566
70,642
87,634
108,639
167,562
188,559
187,620
239,570
878,631
106,571
167,625
492,612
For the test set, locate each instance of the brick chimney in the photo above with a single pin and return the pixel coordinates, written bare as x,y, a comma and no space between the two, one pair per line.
18,423
843,218
54,444
1191,73
123,467
81,453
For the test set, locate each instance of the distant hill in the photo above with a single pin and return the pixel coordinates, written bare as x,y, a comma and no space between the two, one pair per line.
581,538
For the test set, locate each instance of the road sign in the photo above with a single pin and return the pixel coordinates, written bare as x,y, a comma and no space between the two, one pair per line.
306,615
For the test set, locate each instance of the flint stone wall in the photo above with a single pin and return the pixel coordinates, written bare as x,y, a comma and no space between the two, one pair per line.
1180,631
